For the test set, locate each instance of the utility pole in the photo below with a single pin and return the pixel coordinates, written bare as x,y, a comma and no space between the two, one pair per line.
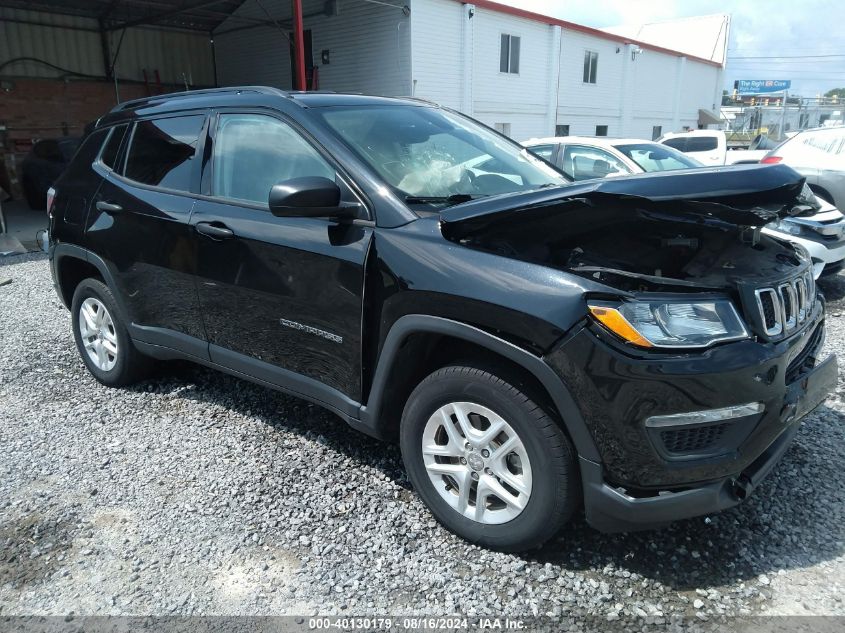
783,115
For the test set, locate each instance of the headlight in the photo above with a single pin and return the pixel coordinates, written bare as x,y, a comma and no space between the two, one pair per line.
786,226
663,323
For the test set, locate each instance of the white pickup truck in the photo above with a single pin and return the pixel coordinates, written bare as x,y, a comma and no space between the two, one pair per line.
711,147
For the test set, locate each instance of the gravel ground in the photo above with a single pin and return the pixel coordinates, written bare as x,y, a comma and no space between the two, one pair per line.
197,493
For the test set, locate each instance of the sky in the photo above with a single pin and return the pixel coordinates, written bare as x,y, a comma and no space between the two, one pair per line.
800,40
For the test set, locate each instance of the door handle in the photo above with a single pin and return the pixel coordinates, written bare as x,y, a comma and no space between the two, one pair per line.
108,207
214,231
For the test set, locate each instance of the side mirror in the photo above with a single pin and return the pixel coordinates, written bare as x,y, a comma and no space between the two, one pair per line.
309,197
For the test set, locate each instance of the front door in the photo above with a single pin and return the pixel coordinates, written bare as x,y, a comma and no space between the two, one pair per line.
139,224
281,297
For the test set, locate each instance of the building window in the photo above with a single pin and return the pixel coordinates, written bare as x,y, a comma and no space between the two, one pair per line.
656,132
561,130
591,64
503,128
509,54
601,130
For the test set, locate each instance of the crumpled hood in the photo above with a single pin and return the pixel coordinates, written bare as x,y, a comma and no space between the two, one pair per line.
737,195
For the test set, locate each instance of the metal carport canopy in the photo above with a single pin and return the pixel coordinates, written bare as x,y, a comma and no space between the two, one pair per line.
193,15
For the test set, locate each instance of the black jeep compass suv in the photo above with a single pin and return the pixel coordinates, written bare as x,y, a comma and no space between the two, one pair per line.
634,344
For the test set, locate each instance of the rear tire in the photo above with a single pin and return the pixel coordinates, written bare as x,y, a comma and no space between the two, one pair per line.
511,501
102,339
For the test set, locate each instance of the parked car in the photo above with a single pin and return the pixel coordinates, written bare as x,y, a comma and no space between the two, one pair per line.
710,147
586,157
625,344
42,166
820,230
819,156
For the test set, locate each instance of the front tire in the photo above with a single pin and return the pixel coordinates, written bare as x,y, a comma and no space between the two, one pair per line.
492,466
102,339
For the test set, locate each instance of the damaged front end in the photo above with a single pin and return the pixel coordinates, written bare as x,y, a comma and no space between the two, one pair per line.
676,251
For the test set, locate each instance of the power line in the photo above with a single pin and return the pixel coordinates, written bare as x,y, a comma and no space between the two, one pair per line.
786,56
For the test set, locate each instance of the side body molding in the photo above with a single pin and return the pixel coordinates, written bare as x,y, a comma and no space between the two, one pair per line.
371,423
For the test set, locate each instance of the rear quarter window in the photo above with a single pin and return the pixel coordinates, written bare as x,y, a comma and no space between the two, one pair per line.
112,148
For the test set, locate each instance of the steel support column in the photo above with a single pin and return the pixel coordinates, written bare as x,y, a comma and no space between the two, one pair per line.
298,45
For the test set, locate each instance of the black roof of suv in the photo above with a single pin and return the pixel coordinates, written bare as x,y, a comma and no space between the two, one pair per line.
633,343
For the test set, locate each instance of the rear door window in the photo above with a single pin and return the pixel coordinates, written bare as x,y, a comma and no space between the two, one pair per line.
162,152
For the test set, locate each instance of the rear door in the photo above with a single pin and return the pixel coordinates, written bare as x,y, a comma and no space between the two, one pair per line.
280,297
139,225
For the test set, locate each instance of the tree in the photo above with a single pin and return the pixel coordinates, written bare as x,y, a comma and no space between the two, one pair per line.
839,93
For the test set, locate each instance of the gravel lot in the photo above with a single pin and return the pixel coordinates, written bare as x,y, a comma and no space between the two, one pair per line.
197,493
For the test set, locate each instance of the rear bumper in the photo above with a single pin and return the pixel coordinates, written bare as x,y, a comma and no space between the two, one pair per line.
612,509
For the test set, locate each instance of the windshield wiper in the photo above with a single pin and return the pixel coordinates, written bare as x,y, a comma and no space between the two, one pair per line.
455,198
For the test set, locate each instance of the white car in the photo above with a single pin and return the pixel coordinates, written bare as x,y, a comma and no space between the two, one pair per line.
710,147
584,157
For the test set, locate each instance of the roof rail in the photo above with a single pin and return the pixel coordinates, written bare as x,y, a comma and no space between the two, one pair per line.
128,105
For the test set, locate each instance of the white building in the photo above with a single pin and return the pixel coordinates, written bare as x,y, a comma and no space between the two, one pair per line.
524,73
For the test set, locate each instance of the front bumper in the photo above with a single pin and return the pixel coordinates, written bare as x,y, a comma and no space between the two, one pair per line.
637,481
612,509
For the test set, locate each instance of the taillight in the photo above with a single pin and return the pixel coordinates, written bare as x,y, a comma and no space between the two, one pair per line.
51,195
771,160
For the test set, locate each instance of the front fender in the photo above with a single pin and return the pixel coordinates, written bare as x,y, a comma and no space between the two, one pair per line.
371,423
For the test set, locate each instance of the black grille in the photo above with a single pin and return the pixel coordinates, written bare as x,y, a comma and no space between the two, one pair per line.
770,319
787,305
694,439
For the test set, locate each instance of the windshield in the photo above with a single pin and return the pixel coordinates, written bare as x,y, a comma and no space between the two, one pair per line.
657,157
433,156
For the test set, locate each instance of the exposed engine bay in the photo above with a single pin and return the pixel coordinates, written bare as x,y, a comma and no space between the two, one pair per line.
633,242
632,250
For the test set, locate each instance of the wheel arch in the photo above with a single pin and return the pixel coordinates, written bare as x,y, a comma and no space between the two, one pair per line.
72,264
378,417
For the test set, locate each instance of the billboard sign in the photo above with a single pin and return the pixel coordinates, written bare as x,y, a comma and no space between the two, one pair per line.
760,86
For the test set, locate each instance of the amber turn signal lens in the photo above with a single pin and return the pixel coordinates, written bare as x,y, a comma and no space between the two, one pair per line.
618,324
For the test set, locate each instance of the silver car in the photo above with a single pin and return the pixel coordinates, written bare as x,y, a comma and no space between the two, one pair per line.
818,155
821,232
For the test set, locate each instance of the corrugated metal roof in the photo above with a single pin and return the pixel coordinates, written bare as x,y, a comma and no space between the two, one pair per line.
34,44
195,15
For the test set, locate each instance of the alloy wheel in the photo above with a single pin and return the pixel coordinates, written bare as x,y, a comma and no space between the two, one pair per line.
99,338
477,462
